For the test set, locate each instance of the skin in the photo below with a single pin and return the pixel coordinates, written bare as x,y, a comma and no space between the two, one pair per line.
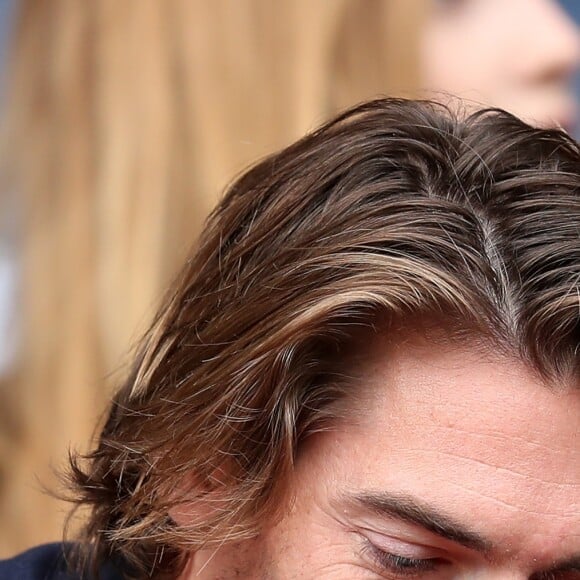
477,438
515,54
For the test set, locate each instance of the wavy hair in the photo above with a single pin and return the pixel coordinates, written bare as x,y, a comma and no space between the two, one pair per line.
122,121
394,211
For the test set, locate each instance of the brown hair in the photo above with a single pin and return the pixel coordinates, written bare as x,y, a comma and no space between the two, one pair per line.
123,121
394,209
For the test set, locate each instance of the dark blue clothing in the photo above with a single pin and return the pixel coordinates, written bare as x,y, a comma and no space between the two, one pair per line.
49,562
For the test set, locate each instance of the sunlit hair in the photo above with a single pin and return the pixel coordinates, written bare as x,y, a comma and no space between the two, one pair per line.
394,211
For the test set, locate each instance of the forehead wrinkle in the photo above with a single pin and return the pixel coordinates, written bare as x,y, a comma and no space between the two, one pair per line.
501,436
496,468
507,505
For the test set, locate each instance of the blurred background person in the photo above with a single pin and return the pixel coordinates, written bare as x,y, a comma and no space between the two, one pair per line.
515,54
124,120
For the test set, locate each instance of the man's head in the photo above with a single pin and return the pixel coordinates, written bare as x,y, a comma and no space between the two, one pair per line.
368,368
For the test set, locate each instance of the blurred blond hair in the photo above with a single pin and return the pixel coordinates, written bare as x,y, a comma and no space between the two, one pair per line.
123,122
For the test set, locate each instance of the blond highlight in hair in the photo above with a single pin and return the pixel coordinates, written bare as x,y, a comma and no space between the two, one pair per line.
396,210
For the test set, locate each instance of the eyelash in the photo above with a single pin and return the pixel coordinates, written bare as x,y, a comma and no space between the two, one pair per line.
400,564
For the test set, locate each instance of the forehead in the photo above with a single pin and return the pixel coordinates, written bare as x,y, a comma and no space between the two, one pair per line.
472,432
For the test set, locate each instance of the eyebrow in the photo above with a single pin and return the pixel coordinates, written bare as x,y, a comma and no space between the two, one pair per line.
409,510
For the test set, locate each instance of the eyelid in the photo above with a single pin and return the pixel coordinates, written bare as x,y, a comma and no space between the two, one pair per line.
402,547
400,565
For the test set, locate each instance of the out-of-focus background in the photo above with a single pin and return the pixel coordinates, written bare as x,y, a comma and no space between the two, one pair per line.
122,121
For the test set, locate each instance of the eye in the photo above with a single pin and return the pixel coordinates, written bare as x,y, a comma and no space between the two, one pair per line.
402,565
